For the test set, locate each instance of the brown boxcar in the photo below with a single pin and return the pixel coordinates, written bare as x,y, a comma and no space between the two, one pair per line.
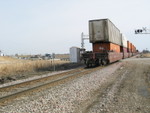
128,46
131,47
125,53
100,47
113,57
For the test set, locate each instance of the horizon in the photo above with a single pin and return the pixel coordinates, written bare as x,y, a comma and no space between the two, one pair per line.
39,27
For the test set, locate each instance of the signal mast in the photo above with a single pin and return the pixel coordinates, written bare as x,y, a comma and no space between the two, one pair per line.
83,37
144,30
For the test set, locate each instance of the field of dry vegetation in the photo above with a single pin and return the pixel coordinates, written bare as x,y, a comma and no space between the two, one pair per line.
10,67
146,55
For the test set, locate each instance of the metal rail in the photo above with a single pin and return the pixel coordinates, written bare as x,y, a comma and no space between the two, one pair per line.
31,82
5,99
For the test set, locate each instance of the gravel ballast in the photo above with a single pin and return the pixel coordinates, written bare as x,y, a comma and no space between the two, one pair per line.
122,87
66,98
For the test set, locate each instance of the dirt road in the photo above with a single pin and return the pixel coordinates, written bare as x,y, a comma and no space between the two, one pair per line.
130,93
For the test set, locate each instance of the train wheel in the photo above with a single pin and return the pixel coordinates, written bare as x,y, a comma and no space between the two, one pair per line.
97,63
100,63
88,63
104,62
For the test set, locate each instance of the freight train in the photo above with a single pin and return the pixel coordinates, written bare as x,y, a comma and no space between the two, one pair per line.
108,44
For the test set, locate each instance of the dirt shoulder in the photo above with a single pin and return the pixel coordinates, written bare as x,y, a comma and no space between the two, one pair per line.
130,93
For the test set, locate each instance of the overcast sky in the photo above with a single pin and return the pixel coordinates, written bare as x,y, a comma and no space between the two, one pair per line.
47,26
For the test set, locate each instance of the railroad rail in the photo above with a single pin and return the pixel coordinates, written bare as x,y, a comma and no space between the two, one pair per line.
12,92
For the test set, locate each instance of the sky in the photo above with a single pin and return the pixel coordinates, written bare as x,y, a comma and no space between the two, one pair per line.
53,26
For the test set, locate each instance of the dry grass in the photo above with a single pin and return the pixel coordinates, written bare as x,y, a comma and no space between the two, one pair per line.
10,66
6,58
146,55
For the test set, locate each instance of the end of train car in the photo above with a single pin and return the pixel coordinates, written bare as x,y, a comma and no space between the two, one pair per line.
108,44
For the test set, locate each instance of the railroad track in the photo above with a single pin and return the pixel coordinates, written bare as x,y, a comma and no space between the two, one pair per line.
10,93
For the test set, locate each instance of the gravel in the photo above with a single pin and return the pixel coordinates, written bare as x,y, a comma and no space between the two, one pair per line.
71,97
122,87
130,93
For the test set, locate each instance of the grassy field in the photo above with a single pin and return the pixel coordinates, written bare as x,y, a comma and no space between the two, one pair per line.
11,66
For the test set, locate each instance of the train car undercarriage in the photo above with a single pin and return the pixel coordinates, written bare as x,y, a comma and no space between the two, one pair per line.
96,59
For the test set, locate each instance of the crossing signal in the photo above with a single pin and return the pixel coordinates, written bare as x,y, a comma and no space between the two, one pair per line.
138,31
144,30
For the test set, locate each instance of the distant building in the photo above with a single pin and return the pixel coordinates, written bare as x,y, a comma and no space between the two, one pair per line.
1,54
75,54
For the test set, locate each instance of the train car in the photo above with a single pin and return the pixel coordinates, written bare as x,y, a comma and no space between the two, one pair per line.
106,41
108,44
129,49
124,46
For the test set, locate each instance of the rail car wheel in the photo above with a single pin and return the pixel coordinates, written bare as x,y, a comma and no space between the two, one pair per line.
104,61
97,63
100,62
88,64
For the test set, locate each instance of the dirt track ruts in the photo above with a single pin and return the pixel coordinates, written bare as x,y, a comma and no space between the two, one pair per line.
130,93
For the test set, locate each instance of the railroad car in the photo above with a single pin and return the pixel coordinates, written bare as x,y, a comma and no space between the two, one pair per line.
108,44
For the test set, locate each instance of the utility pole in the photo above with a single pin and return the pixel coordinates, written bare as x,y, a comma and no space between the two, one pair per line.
53,57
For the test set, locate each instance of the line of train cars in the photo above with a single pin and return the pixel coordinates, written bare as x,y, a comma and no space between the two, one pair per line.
108,44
